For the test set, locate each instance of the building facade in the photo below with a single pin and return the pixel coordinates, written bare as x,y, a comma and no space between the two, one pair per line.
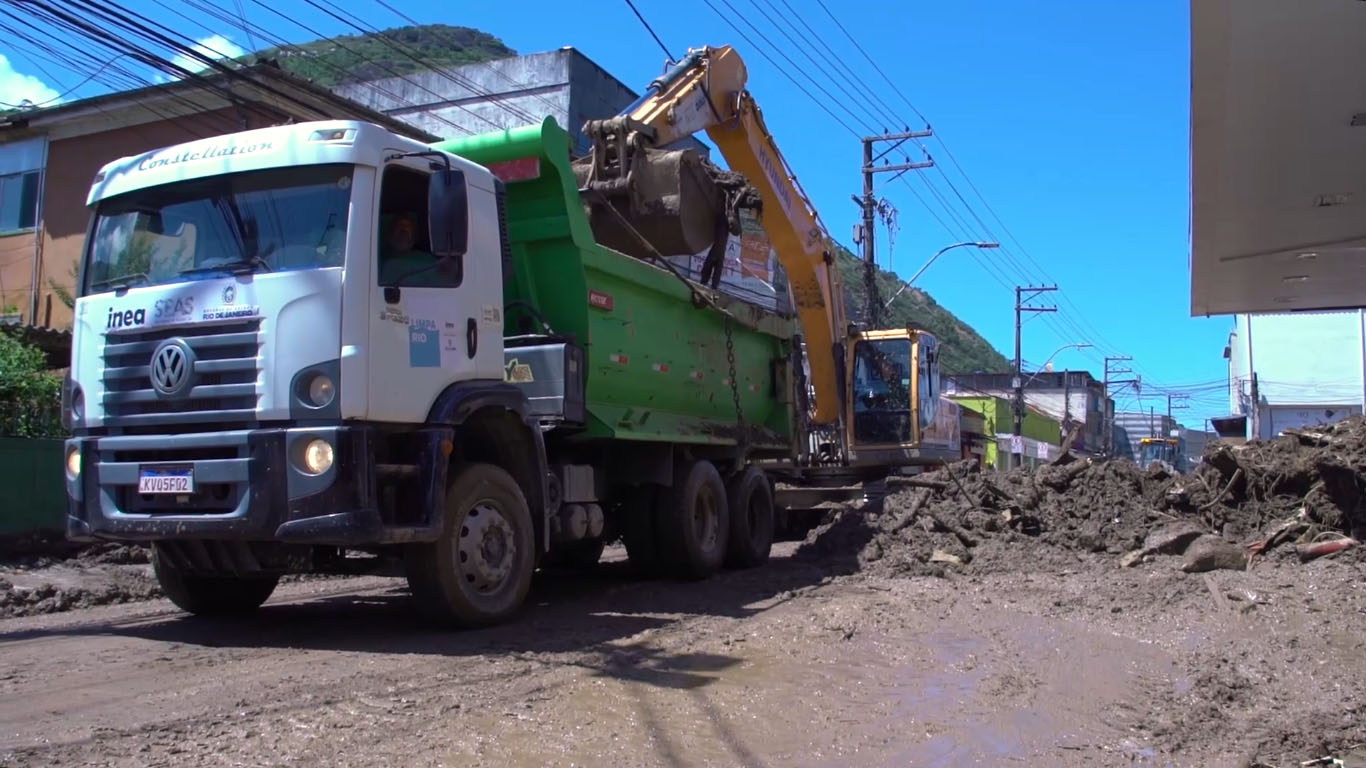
1295,370
503,93
49,157
994,444
1069,398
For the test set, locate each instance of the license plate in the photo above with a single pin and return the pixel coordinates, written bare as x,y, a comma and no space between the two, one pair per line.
166,481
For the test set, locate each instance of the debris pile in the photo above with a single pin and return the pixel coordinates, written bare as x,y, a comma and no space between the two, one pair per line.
45,573
1306,488
48,597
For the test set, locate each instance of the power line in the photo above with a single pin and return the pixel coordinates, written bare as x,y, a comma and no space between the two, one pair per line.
870,60
784,72
463,82
1076,325
806,51
67,92
552,106
283,45
735,12
651,30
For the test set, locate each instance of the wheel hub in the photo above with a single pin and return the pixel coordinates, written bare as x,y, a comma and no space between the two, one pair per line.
705,523
487,548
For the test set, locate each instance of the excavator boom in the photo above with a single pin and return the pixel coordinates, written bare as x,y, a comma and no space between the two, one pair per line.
680,204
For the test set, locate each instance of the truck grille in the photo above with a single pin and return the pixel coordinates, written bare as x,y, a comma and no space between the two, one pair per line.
221,460
222,388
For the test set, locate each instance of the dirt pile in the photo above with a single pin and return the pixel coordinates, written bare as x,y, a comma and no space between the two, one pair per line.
50,597
45,573
43,550
1242,502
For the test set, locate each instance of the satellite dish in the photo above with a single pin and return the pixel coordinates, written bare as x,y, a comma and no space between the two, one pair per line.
1048,367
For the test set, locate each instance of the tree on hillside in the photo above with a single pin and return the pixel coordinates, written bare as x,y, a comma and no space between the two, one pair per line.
388,53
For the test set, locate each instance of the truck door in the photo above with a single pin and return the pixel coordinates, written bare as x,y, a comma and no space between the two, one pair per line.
426,333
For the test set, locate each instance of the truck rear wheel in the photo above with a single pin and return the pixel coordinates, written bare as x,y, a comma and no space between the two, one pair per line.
751,519
211,595
479,571
694,523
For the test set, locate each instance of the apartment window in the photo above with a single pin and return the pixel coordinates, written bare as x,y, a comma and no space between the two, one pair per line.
18,201
21,165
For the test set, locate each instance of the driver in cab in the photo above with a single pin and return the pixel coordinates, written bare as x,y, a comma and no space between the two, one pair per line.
399,258
885,388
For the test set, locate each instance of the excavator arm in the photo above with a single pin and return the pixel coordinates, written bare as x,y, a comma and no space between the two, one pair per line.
673,198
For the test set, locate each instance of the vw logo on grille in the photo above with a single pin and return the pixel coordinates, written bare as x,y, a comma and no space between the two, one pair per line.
172,368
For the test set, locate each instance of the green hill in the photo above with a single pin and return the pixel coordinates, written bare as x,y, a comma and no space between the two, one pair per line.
964,350
356,58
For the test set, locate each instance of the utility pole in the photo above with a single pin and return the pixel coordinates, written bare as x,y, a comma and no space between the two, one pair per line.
868,203
1019,406
1109,420
1181,404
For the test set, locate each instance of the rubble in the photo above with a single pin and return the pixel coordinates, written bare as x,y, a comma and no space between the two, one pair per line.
1239,505
45,573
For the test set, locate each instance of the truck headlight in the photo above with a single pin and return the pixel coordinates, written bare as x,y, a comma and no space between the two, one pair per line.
317,456
321,390
73,462
77,405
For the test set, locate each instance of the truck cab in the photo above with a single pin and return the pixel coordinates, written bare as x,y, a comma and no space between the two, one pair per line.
275,333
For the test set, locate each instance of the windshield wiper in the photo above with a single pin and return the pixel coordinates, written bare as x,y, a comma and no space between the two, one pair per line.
233,266
122,281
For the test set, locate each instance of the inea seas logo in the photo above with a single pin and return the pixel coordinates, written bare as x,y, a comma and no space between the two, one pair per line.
126,319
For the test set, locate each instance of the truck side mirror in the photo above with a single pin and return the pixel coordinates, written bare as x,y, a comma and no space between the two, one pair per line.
448,214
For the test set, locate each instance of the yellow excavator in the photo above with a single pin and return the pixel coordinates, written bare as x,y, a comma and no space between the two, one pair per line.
875,394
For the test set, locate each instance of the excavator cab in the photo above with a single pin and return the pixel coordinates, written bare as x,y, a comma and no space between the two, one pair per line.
893,392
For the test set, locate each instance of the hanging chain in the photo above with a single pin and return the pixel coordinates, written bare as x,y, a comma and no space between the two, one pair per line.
740,440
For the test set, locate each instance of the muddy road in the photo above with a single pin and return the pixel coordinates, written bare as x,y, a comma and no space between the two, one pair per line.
804,662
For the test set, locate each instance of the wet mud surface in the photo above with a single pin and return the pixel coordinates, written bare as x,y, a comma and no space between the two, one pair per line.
1088,615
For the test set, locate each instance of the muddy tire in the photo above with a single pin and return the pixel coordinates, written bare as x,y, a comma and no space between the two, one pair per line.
637,520
694,522
479,571
750,500
211,595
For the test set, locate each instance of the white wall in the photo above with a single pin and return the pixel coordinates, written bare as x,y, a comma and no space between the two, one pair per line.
1309,367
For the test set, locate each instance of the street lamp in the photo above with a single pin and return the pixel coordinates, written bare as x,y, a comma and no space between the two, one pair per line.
1019,384
1075,345
907,284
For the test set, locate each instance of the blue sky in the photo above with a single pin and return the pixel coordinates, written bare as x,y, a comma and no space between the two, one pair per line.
1070,118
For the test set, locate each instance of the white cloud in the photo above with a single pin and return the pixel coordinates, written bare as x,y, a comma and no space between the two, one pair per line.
213,47
16,88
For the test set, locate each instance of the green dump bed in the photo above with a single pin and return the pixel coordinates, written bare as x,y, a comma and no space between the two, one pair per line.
657,366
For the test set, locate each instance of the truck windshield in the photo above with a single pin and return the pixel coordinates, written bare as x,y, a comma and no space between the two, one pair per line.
257,221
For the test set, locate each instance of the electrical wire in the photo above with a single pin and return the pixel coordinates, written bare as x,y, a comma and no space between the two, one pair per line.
67,92
469,85
282,45
553,107
650,29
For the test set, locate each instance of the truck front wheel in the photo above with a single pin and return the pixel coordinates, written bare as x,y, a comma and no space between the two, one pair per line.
479,571
694,522
211,595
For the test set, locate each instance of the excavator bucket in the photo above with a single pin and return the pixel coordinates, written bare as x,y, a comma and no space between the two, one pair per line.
669,198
